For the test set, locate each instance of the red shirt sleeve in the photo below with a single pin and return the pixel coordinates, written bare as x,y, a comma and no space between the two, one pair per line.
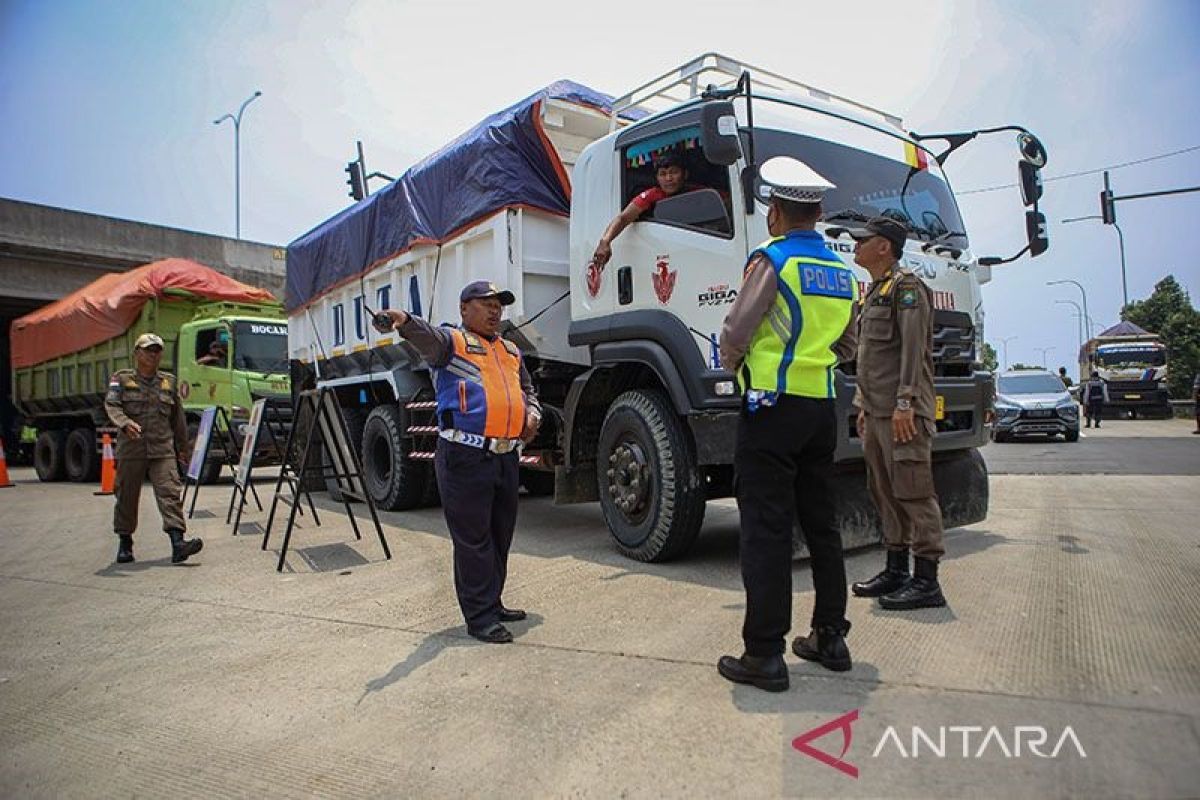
647,199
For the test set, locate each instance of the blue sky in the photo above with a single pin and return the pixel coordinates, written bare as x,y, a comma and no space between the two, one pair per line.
108,108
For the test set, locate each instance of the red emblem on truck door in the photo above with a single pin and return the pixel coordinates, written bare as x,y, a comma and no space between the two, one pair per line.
594,273
663,278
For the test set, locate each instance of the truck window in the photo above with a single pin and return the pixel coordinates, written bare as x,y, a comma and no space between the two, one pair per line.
1131,357
638,175
871,184
339,325
260,346
212,347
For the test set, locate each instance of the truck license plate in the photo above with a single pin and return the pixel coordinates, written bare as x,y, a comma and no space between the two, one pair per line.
1133,397
939,411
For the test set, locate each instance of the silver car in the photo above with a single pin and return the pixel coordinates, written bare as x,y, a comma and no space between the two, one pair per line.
1034,403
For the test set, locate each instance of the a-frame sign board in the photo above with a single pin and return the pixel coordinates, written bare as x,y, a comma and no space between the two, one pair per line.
264,416
319,417
214,424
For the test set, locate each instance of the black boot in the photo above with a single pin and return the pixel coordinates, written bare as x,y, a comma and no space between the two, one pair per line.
181,548
768,673
125,548
826,645
894,576
922,591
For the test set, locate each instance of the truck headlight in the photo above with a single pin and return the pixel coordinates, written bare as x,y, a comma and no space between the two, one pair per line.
723,388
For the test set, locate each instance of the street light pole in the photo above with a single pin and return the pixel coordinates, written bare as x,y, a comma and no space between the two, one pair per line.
1005,342
1121,242
237,160
1078,318
1043,351
1087,317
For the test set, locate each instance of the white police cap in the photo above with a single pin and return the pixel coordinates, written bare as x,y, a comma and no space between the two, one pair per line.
791,179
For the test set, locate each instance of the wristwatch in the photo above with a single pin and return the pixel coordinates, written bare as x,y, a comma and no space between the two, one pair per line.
904,404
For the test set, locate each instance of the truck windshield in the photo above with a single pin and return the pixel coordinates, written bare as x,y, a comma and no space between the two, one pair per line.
1031,384
870,185
260,347
1131,357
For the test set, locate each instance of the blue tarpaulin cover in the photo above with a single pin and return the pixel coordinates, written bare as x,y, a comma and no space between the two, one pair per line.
504,161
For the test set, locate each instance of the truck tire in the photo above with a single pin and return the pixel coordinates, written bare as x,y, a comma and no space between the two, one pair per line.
538,483
81,462
48,455
356,421
394,481
651,490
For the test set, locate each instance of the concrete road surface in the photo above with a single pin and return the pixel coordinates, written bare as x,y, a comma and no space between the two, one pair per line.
1067,664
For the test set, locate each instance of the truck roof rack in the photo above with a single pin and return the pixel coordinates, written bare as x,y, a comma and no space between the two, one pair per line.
687,81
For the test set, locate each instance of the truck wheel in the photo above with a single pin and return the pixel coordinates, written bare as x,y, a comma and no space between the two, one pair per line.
48,455
650,487
356,421
394,481
81,462
538,483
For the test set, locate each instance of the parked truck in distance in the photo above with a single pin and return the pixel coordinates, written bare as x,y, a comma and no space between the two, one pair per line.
640,416
65,353
1133,363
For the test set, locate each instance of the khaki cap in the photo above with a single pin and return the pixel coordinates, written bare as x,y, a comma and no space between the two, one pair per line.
148,340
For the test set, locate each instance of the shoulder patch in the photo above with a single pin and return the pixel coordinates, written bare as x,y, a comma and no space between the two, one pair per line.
907,297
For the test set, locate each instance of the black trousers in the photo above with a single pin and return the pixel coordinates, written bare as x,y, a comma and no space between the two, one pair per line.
784,468
479,497
1094,409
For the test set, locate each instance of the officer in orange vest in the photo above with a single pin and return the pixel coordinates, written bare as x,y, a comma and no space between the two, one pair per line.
485,408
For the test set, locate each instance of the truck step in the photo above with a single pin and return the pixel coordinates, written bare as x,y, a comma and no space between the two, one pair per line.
422,405
422,429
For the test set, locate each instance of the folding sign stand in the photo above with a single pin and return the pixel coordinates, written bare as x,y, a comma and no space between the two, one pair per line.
267,415
218,426
325,424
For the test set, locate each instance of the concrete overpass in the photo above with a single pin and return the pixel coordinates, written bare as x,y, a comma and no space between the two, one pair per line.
47,253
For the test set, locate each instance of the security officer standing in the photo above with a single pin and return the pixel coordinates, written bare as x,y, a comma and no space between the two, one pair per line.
791,324
896,412
144,404
486,407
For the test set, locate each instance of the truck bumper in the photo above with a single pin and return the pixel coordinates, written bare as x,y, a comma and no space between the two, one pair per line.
961,479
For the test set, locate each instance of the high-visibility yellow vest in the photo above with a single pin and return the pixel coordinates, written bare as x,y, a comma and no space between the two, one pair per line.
791,350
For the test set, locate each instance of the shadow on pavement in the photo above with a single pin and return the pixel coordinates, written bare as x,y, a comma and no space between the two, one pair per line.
809,692
115,570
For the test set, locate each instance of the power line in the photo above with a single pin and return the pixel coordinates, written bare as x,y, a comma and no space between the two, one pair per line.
1095,171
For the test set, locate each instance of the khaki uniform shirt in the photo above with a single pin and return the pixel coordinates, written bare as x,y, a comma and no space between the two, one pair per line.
895,346
152,403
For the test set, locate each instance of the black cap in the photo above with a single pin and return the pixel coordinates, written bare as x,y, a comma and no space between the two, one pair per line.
891,229
669,159
480,289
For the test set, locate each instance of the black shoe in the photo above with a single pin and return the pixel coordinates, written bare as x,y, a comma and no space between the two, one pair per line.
768,673
511,614
894,575
125,548
923,591
1089,424
826,645
182,548
496,634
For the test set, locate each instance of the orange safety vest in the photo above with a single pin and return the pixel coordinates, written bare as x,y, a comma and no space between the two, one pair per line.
479,389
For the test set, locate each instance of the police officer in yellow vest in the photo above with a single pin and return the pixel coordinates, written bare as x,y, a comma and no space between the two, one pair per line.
144,405
486,407
792,323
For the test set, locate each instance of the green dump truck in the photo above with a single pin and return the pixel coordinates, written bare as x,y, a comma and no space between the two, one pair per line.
61,370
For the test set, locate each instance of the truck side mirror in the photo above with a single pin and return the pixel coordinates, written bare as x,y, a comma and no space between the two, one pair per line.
1031,183
1035,231
719,133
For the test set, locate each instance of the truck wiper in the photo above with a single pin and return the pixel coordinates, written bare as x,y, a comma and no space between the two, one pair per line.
846,214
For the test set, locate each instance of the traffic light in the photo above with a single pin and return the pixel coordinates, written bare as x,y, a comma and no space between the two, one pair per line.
1108,209
355,181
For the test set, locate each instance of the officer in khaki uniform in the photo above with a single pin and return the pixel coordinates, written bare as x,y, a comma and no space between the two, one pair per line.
897,409
144,404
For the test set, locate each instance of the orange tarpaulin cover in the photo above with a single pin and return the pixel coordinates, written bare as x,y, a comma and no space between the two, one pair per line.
107,306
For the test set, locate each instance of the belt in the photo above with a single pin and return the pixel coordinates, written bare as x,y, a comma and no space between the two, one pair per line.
497,446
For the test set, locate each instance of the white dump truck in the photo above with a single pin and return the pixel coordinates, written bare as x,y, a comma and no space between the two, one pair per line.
1133,363
640,416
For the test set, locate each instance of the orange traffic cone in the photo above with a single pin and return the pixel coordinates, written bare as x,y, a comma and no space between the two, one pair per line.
5,483
108,468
